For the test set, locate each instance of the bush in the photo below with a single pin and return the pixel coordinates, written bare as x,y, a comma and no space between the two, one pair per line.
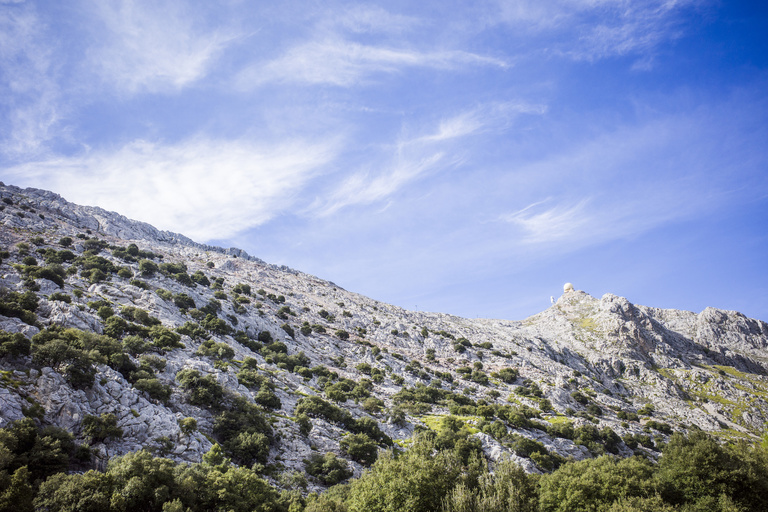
166,295
192,330
138,283
15,344
342,334
183,301
328,468
148,268
101,428
267,398
200,278
202,391
164,339
289,330
19,305
216,350
154,388
595,484
508,375
360,448
316,407
242,289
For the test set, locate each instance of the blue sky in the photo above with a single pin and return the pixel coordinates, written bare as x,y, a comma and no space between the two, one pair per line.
463,157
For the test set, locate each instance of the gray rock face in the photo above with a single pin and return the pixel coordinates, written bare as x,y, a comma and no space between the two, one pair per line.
596,362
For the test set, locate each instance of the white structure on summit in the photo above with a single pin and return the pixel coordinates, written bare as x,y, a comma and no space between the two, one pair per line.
567,287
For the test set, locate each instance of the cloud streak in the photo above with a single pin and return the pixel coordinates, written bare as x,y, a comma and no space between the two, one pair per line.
413,158
596,29
344,63
204,188
30,96
152,45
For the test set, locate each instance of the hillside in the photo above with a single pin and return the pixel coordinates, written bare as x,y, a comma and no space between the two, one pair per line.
144,339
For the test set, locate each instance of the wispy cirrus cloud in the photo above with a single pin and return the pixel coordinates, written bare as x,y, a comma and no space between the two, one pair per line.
152,45
541,223
370,19
202,187
345,63
595,29
30,94
419,155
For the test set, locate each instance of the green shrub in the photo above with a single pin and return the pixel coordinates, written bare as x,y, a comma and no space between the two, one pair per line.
59,296
203,391
508,375
200,278
19,305
216,350
166,295
138,283
328,468
267,398
154,388
15,344
192,330
289,330
148,268
360,448
242,289
101,428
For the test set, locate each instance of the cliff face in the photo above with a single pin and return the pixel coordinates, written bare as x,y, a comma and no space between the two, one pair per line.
275,336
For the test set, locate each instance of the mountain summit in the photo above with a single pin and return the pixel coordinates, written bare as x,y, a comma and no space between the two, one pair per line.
133,338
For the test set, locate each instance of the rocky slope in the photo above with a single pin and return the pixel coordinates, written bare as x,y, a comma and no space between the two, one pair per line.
276,336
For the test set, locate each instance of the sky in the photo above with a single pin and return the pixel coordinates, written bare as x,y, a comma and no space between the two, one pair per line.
462,157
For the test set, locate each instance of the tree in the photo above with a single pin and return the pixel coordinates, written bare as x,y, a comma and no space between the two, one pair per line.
360,447
416,480
187,425
101,428
89,492
327,468
19,494
594,483
508,489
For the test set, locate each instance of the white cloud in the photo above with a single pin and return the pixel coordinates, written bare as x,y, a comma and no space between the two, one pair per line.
346,63
491,116
152,45
29,95
365,188
413,158
203,188
555,224
594,29
370,19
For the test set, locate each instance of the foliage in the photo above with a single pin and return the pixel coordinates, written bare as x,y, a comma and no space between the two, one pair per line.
19,305
215,350
360,448
154,388
202,390
508,375
328,468
507,489
101,428
15,344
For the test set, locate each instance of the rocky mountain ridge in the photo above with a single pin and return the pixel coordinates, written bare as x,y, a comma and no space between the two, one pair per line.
207,337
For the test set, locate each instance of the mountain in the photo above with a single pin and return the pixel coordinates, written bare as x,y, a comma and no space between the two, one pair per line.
144,339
